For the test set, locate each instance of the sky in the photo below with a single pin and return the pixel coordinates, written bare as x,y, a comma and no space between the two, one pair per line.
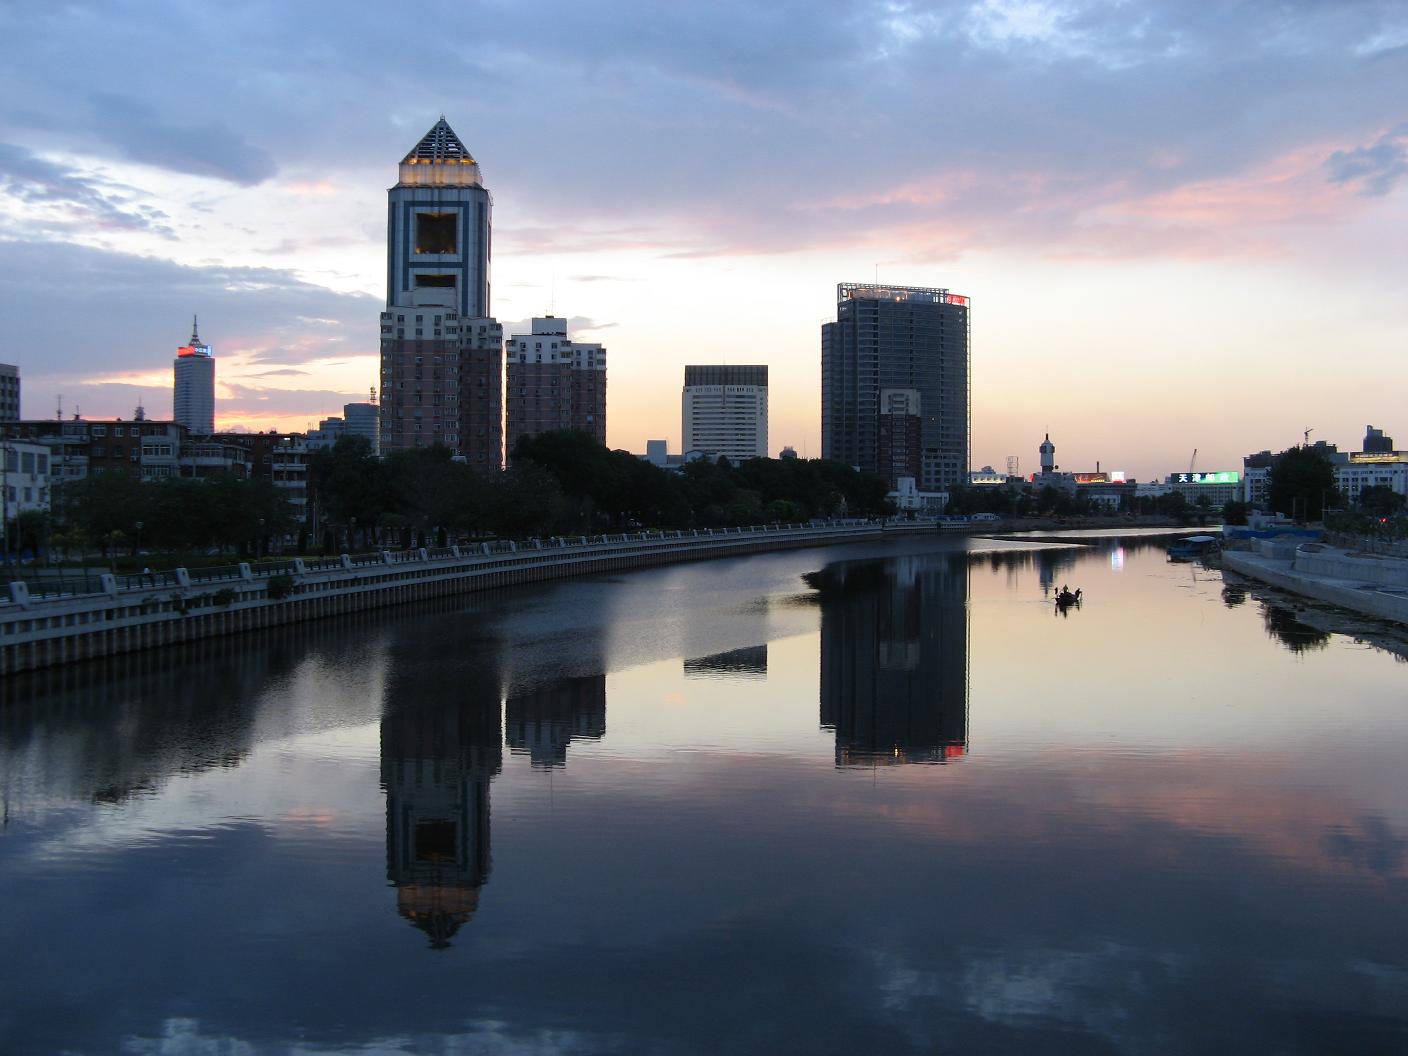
1183,226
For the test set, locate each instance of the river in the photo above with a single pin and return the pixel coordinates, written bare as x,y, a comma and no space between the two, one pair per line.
870,798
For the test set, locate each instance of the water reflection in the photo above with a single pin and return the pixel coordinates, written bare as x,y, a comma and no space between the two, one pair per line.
1282,625
439,752
109,730
750,662
544,721
894,658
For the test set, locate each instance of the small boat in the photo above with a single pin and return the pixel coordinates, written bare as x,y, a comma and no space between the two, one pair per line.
1193,546
1066,598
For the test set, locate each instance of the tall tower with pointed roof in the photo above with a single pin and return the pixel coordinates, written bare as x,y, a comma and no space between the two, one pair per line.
193,385
441,351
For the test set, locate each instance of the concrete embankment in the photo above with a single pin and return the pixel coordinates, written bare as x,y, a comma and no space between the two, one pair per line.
1365,583
152,611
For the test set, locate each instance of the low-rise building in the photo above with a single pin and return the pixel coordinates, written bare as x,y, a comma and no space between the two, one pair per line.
24,468
1372,469
909,499
1218,487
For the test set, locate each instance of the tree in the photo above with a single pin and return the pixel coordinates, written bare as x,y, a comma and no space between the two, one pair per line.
1235,512
1380,500
1301,484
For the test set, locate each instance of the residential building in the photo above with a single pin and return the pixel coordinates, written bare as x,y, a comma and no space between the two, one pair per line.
441,353
77,447
193,389
9,393
142,448
1256,478
289,472
724,411
889,341
281,458
554,383
24,479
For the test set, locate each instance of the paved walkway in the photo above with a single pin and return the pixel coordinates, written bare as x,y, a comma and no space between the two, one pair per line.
1385,601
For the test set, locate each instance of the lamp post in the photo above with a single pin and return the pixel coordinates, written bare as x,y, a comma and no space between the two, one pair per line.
259,542
139,538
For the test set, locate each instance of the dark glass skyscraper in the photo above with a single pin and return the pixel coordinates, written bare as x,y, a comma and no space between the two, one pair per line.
894,353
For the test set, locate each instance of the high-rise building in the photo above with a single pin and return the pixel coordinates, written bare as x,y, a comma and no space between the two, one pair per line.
9,393
896,352
441,352
364,420
724,411
1375,442
554,383
193,387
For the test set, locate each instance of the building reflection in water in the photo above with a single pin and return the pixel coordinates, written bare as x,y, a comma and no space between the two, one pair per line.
542,723
442,738
441,745
749,663
894,658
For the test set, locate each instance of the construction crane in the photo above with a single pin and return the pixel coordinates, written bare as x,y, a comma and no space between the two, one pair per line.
1193,462
1308,431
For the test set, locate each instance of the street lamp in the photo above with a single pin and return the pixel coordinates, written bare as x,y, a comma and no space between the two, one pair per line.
139,538
259,542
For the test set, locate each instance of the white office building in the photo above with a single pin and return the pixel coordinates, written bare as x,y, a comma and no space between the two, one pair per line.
725,411
193,390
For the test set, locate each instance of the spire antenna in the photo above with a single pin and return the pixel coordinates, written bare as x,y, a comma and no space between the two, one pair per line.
195,330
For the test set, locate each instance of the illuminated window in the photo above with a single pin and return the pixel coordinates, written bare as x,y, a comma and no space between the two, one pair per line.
435,232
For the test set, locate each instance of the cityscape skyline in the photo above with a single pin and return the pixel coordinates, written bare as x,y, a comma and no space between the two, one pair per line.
1162,216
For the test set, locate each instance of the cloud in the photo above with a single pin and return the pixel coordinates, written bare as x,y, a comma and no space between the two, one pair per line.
136,310
140,133
725,118
1374,170
57,198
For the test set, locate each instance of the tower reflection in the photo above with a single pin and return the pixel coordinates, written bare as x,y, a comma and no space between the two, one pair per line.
894,658
441,745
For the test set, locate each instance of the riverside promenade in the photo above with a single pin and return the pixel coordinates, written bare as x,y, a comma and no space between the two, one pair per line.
155,610
1372,584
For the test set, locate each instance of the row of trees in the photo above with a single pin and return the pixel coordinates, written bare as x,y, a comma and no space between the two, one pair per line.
567,483
113,514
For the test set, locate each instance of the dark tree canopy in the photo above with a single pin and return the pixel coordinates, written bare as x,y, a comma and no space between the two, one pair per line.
1301,484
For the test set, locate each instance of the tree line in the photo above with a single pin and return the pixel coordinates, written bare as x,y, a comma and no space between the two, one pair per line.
566,483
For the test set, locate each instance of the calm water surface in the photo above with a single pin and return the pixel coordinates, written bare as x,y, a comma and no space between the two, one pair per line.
875,798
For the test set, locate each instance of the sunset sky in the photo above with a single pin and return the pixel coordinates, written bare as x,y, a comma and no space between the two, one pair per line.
1182,225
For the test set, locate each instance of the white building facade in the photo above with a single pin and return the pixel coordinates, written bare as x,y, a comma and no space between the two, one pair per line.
1369,469
724,411
193,387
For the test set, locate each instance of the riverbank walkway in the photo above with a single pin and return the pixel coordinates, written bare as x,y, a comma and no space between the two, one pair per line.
1372,584
126,613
